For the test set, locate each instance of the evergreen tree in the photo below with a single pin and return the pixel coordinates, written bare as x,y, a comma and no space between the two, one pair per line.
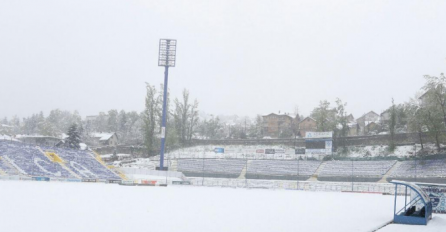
73,139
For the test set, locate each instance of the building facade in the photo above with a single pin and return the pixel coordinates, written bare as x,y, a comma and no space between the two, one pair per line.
306,125
275,125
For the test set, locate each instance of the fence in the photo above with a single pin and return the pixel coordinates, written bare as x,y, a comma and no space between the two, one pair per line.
381,188
430,171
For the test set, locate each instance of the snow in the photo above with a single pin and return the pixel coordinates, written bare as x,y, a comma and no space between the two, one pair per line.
7,137
102,136
437,224
161,179
381,150
119,155
61,206
242,151
83,146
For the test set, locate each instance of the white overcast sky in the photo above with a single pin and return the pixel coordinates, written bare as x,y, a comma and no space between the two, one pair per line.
234,56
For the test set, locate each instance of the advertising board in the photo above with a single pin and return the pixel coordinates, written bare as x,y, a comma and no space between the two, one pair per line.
41,178
270,151
328,134
437,194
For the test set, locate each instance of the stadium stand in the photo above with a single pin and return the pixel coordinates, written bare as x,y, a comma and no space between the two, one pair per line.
222,168
281,169
17,158
361,171
431,171
83,163
29,160
7,169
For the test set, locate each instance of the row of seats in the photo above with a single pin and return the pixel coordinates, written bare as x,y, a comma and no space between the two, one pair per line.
375,169
83,163
421,168
223,166
282,167
356,168
30,160
4,166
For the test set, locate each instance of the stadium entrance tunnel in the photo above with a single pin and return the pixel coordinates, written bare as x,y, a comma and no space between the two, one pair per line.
417,211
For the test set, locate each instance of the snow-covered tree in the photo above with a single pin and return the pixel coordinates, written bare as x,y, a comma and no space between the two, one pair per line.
73,138
325,116
151,116
186,117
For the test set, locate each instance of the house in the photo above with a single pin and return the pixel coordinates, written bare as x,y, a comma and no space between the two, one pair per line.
424,98
372,127
276,124
384,117
350,118
365,119
353,129
306,125
6,129
104,139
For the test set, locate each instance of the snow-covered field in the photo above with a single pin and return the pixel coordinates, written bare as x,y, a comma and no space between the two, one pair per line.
437,224
58,206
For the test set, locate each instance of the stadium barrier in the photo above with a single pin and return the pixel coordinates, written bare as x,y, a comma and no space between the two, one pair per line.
146,182
127,183
10,178
437,194
366,187
113,181
181,182
89,180
40,178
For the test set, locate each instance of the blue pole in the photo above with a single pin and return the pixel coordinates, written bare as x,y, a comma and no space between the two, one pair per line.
163,123
394,203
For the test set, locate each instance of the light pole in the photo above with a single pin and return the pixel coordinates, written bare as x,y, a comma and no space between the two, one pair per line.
166,58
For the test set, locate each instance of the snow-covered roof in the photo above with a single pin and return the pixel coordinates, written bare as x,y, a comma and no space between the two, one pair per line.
280,115
369,113
308,118
83,146
7,137
102,136
6,126
36,136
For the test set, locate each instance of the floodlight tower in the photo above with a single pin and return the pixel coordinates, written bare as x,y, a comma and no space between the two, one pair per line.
166,58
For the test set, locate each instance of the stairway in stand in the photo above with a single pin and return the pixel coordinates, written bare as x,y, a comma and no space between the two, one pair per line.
243,173
173,165
316,173
394,167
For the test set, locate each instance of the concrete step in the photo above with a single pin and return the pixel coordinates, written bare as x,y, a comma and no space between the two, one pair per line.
174,165
388,173
243,173
316,173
